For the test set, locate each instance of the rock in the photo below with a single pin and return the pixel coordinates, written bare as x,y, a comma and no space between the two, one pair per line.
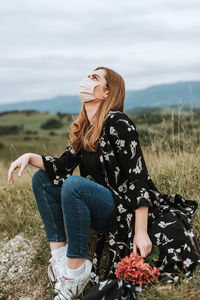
15,261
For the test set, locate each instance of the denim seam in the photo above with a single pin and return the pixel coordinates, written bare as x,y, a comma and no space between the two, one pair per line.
95,195
80,255
81,250
55,240
76,256
50,212
77,206
78,238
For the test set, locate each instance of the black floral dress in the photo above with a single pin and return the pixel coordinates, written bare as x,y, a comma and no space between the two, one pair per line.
126,175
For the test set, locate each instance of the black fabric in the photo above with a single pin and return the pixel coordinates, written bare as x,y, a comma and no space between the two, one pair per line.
112,289
92,165
126,176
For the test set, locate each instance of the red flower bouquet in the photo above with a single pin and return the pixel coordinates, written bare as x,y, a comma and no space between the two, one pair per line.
133,268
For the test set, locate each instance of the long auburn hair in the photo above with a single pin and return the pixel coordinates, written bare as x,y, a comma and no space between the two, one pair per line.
81,135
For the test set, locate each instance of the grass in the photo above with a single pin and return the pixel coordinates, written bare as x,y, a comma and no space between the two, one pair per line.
172,156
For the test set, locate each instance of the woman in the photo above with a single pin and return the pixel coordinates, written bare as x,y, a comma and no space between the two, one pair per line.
114,195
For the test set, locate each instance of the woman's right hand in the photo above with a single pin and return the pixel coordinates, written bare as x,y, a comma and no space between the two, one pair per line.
20,163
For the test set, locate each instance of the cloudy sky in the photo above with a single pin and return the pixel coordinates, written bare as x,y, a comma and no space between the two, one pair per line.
48,46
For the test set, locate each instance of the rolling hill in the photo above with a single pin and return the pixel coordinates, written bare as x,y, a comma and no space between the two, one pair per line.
155,96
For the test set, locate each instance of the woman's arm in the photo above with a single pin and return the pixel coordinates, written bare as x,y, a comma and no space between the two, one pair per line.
125,141
60,168
57,168
37,161
141,239
21,163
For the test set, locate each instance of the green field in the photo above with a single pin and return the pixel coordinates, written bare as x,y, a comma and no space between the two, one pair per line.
171,146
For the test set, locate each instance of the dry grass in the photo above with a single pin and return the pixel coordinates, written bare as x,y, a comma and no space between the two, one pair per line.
172,173
173,169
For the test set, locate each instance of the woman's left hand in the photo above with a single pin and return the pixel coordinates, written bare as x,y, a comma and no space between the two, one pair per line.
142,242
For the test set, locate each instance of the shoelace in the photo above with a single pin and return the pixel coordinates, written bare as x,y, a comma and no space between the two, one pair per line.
66,280
65,284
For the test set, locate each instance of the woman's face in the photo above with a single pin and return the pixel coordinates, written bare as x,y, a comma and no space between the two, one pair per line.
100,91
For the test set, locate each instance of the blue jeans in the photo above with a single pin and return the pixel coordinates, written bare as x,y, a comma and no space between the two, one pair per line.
77,206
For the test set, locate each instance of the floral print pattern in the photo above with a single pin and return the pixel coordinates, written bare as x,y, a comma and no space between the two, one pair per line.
126,175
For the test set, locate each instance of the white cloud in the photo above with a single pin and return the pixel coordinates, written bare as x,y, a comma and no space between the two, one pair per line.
47,47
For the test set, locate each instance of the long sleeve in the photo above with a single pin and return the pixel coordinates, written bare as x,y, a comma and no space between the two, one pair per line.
58,169
124,139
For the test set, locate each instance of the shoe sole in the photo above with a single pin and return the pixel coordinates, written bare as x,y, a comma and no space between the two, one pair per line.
51,274
83,287
77,294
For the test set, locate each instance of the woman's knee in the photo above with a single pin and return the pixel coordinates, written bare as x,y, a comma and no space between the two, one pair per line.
39,177
69,186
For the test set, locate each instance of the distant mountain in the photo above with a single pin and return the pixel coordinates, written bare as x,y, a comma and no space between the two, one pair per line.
64,104
164,95
155,96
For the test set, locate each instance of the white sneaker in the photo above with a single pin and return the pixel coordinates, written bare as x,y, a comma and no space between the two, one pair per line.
55,271
73,287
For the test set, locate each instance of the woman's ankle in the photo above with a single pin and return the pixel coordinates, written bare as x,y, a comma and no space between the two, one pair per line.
74,263
56,245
